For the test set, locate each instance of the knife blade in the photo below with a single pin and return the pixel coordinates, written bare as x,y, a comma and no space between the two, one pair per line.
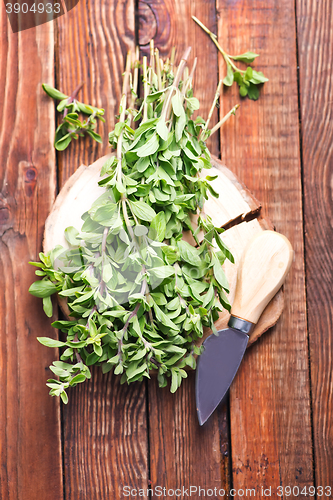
261,272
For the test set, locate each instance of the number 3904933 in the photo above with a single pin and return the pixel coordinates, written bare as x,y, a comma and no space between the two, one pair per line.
309,491
40,8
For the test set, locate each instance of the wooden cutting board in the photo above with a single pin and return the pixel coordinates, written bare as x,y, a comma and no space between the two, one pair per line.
236,210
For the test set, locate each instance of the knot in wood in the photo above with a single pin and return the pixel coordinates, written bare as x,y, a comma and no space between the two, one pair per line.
155,23
30,177
4,215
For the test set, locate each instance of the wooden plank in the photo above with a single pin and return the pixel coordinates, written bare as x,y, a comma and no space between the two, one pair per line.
183,454
30,448
104,425
105,439
178,446
110,442
315,46
92,43
270,402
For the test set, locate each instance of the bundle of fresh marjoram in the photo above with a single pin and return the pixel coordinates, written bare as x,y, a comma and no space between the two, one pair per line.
139,295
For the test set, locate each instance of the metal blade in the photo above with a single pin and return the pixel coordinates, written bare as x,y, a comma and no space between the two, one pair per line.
217,366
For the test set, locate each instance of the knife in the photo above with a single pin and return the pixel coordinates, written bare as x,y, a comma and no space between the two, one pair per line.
261,272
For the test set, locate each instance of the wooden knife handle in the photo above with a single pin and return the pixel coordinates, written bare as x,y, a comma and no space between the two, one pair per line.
261,272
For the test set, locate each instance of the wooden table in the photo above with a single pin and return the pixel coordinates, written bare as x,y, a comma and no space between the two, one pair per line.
277,429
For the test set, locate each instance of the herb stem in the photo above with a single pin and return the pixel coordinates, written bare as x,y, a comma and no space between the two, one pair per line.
174,86
217,95
152,61
166,67
78,357
145,89
105,235
213,37
155,362
172,58
123,106
151,317
188,82
135,82
224,119
72,97
126,218
126,325
158,69
103,248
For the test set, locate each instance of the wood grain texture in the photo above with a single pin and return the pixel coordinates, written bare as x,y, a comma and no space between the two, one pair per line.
110,443
183,454
315,46
105,439
178,447
270,400
105,425
93,39
30,450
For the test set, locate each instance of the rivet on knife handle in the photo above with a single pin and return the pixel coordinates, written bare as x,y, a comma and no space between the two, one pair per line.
261,272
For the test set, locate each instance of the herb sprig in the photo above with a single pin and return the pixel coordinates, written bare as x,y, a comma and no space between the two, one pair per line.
247,80
71,126
138,294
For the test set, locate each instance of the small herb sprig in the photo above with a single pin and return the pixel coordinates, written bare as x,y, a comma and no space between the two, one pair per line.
72,127
138,294
247,80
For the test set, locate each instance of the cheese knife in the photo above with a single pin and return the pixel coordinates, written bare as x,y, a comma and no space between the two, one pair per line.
261,272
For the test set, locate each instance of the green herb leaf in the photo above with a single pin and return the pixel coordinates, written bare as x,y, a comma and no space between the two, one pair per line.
253,92
148,148
64,397
188,253
258,77
177,104
162,129
229,78
220,276
78,379
50,342
174,381
142,210
180,125
162,272
52,92
163,318
158,227
42,289
247,57
223,246
192,104
71,235
243,90
62,143
94,136
47,306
